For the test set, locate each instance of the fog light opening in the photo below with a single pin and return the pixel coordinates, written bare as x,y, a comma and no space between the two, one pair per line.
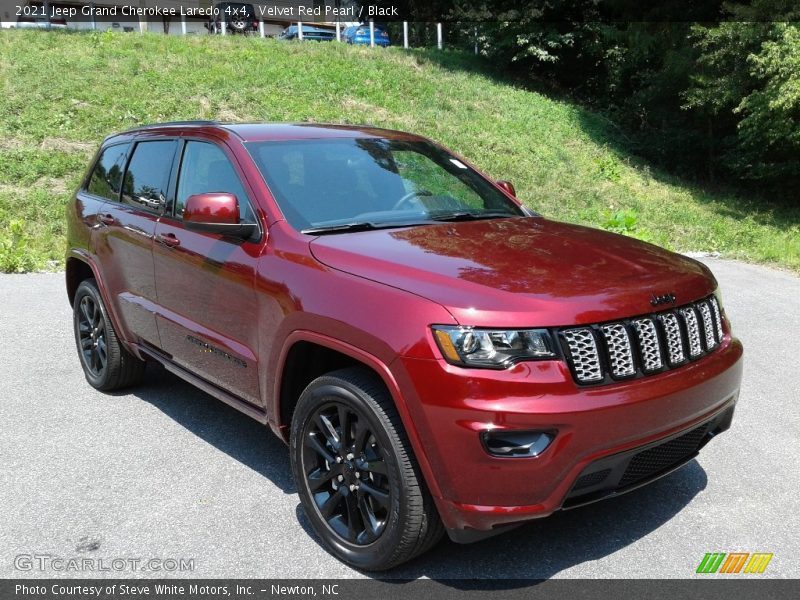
516,444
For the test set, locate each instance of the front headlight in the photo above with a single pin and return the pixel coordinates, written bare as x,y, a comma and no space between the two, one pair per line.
492,348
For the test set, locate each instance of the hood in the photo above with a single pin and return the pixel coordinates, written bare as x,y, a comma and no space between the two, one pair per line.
525,271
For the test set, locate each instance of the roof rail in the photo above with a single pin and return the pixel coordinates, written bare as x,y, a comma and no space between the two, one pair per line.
172,123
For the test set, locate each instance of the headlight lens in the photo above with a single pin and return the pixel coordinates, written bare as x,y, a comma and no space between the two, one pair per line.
492,348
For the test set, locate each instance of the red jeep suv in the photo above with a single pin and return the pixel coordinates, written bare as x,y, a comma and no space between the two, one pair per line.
438,357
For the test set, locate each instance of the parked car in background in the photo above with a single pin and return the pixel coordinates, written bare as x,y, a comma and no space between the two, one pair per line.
41,22
359,35
437,356
310,33
238,17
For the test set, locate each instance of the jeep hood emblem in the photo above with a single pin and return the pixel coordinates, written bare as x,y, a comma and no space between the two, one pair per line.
656,300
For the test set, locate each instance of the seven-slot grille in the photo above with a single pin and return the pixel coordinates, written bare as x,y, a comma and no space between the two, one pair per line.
643,345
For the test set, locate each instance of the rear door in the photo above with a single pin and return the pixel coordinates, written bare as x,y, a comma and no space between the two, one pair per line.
124,242
207,316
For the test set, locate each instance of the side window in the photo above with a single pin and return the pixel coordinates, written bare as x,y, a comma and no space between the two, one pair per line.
106,177
147,177
206,168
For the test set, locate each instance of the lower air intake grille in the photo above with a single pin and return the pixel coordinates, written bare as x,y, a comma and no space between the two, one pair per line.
653,460
591,479
644,345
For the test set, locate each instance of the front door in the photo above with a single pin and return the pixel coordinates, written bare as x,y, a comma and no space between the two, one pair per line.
207,315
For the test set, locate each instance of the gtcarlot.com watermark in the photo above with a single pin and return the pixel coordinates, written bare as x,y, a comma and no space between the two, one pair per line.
63,564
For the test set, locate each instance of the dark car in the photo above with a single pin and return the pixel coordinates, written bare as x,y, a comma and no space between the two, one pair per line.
237,17
360,35
438,357
310,33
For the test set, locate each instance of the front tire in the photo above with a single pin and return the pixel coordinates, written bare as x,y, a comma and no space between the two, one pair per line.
106,364
356,475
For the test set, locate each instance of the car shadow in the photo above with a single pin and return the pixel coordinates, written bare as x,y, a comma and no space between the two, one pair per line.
216,423
521,557
544,548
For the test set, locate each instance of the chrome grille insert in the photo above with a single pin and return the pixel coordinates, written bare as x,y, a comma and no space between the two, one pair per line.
619,349
717,316
690,318
672,329
649,347
643,345
708,325
585,357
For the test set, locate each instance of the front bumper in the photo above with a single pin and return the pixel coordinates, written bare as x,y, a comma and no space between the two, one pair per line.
477,493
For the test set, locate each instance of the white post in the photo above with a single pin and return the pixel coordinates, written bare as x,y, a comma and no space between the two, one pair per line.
94,24
261,28
439,35
338,32
371,33
405,34
183,24
476,41
224,26
300,30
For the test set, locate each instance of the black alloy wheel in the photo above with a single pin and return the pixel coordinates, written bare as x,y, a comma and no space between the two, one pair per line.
92,336
346,473
356,474
106,363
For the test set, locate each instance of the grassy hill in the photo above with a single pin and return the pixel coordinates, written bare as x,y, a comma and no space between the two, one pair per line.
63,92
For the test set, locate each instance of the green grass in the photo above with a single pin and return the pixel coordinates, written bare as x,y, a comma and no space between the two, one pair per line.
63,92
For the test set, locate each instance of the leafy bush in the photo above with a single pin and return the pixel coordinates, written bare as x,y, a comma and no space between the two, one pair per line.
14,251
625,222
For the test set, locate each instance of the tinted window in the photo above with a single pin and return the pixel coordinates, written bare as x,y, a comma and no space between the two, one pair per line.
206,168
324,182
147,177
107,175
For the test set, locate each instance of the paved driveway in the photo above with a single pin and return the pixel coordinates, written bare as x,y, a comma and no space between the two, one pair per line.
166,471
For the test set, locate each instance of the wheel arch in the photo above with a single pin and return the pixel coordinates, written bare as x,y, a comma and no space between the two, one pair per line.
76,271
79,267
299,345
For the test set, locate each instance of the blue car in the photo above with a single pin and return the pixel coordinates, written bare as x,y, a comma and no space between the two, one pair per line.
359,34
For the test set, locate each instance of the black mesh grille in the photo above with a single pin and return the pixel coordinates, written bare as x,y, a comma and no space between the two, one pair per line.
591,479
649,462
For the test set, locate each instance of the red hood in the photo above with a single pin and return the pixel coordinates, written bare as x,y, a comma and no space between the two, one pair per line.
519,272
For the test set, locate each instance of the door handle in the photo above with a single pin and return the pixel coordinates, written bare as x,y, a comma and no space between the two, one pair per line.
106,219
168,239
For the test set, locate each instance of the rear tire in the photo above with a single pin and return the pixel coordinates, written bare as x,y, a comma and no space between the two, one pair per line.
106,364
356,475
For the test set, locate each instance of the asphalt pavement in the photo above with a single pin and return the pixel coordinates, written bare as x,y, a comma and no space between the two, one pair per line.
166,472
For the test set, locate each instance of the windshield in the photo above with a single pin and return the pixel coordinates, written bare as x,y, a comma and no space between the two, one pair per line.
333,182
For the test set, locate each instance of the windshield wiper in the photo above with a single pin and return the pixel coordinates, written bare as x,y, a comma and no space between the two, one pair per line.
471,216
356,226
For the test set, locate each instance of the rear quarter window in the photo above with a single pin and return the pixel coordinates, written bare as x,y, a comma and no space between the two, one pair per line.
106,178
146,180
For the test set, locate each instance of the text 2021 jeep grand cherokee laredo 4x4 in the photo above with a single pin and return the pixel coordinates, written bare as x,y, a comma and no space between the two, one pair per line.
437,356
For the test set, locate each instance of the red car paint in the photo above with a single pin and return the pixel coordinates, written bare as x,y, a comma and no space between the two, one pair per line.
373,296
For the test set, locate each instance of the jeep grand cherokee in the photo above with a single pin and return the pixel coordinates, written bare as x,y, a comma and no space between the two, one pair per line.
438,357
